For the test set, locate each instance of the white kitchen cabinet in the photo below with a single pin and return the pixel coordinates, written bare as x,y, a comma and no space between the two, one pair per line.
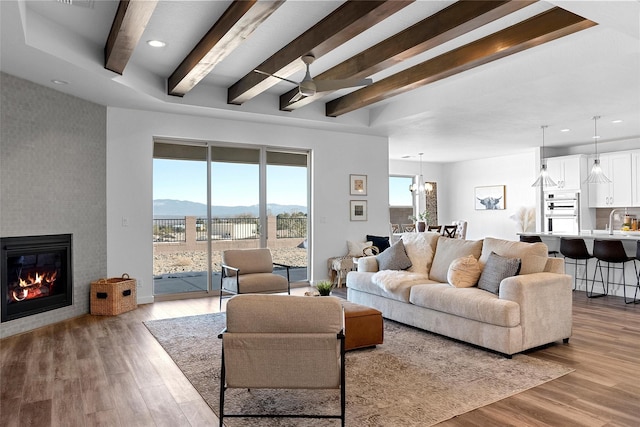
567,171
635,178
617,193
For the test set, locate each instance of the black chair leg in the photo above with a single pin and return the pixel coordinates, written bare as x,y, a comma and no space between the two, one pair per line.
593,282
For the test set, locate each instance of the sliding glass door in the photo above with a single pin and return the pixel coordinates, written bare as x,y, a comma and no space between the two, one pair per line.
216,197
180,247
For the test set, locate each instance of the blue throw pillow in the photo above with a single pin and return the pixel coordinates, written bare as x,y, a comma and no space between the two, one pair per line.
379,242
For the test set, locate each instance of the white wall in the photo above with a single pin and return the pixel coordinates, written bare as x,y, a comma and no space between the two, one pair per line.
456,189
516,172
335,155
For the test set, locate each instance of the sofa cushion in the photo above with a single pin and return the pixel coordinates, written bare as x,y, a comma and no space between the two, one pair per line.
363,282
469,303
420,248
394,258
464,272
533,255
379,242
447,251
496,269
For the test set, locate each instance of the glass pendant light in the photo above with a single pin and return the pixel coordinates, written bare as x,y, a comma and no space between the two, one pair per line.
418,185
596,176
544,180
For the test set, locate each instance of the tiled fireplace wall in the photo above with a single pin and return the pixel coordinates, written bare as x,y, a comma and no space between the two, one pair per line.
52,181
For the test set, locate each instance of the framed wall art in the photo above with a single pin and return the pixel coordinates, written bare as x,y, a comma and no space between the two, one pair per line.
490,198
358,210
358,185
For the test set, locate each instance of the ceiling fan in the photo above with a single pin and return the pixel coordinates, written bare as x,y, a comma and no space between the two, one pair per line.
309,87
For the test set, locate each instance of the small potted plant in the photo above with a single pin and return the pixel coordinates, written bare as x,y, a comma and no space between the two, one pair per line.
324,288
421,220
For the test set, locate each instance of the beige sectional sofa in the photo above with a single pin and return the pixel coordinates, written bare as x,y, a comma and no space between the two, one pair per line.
530,309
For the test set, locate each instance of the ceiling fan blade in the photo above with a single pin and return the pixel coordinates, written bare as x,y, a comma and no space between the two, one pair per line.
328,85
277,77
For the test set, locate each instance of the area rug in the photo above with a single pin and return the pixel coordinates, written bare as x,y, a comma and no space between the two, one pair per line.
414,379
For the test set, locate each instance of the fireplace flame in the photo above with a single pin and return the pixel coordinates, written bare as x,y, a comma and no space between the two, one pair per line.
38,280
34,286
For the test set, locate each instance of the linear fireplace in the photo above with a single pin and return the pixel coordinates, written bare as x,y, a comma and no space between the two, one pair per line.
35,274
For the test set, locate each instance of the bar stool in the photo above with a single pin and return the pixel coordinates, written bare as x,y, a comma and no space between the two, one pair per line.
575,250
536,239
635,300
611,252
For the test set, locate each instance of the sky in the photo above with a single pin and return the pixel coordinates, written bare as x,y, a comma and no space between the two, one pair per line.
237,184
233,184
399,194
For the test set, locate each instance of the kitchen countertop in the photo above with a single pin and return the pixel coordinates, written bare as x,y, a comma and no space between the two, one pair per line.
591,234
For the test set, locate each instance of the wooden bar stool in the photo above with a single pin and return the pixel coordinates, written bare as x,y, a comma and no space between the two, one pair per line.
575,252
611,252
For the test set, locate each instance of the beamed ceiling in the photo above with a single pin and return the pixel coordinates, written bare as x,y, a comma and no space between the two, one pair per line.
423,58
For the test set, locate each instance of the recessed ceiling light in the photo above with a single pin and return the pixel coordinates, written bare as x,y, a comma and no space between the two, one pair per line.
616,121
565,130
156,43
59,82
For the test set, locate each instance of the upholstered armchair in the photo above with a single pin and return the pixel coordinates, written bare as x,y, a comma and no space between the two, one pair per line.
250,271
283,342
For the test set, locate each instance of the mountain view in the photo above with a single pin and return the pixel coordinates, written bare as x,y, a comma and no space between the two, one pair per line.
166,208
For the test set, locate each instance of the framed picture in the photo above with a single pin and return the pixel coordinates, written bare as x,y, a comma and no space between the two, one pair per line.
358,210
490,198
358,185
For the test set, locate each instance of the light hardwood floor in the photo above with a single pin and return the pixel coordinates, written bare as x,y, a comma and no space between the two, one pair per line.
110,371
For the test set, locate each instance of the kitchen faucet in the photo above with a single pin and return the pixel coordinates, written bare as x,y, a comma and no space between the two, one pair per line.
611,220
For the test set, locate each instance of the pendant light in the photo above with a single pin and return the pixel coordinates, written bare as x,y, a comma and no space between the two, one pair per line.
544,180
596,176
418,181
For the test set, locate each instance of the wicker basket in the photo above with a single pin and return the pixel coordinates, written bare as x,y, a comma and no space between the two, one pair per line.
113,296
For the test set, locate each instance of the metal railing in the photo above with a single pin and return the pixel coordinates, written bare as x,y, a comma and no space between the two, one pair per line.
174,229
228,228
169,230
292,227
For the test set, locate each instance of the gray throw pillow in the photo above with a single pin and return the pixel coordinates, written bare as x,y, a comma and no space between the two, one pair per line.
394,258
497,268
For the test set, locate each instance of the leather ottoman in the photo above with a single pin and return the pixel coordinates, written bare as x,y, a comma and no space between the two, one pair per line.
362,326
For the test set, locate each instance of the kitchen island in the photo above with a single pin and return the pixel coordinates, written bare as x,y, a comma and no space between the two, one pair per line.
629,240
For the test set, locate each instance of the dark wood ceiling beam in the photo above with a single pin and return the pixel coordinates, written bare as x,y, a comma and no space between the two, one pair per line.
344,23
445,25
234,26
535,31
128,25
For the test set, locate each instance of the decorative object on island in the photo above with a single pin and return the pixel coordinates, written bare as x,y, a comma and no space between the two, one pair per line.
544,180
596,176
490,198
525,218
324,288
358,210
358,185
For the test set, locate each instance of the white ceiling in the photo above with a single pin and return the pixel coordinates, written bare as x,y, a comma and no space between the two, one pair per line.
491,110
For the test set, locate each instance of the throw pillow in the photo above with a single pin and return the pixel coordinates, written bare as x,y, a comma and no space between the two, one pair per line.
379,242
464,272
447,251
357,248
394,258
497,268
420,248
533,255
